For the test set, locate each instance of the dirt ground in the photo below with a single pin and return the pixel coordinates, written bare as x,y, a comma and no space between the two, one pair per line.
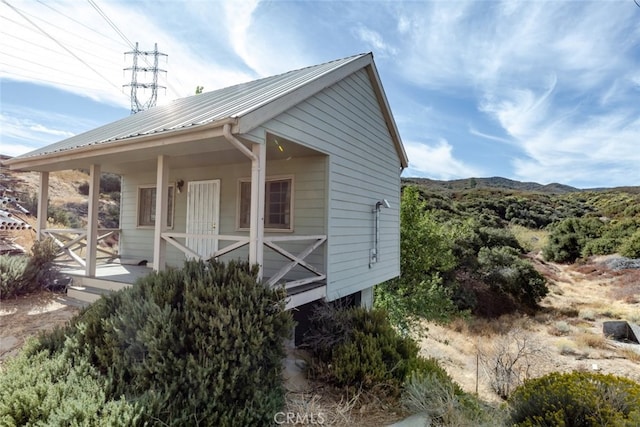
566,334
26,316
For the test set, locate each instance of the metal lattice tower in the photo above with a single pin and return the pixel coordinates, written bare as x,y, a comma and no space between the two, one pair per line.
136,105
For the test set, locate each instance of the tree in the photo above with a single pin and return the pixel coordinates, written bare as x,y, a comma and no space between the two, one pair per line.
425,254
199,89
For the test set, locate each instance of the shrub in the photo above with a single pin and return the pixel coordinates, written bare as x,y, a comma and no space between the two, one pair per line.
43,390
496,237
12,268
510,360
21,275
188,345
109,183
356,347
445,404
576,399
568,238
506,272
631,246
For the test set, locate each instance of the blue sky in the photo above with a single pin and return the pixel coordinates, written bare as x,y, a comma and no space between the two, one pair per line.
544,91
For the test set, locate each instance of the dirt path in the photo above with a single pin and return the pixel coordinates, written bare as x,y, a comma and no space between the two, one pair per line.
27,316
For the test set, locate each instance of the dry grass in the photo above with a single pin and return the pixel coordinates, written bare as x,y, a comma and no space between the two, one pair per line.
560,328
588,339
629,354
530,240
567,347
569,325
327,406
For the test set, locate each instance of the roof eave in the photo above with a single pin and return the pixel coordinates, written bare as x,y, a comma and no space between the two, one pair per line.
388,116
207,130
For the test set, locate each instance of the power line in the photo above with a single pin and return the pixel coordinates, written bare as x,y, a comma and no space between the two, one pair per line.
110,22
60,44
38,64
48,81
103,58
122,35
78,22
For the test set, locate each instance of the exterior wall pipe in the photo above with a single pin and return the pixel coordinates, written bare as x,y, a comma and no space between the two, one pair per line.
226,132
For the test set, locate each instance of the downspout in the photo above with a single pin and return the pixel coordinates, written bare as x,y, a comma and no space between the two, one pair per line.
256,233
226,132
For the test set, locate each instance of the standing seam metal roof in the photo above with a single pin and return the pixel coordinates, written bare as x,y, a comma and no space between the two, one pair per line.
230,102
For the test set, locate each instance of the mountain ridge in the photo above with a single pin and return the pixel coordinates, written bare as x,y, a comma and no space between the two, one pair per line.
501,183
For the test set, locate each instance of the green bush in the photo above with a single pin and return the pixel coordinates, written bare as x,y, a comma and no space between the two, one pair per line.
203,344
426,254
497,237
577,399
41,390
356,347
12,268
631,246
506,272
568,238
20,275
109,183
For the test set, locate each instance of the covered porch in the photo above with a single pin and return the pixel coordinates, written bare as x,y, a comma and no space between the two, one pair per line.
293,257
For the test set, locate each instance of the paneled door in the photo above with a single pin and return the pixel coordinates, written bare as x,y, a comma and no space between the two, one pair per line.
203,214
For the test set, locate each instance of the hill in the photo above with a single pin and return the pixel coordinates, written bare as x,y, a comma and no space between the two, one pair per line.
495,182
500,183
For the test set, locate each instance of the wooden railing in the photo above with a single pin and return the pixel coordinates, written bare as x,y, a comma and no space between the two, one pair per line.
272,242
71,243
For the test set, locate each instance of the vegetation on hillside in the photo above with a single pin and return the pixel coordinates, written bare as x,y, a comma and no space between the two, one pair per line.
460,253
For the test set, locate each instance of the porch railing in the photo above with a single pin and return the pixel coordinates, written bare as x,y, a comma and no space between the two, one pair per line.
272,242
71,243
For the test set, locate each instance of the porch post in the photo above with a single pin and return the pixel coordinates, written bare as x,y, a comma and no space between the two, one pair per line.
43,204
92,220
162,204
256,231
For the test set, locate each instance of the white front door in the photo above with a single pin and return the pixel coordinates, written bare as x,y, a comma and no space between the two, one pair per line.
203,212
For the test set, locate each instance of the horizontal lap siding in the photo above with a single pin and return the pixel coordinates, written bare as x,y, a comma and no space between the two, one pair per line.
346,122
309,180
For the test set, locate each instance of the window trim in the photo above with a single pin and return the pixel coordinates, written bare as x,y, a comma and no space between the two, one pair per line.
171,207
268,179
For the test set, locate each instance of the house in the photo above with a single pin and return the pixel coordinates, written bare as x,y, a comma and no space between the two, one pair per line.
298,173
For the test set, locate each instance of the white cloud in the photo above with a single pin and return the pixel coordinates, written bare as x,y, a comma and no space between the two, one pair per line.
375,40
557,77
436,161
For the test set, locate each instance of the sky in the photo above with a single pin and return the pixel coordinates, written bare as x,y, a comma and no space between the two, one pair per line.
541,91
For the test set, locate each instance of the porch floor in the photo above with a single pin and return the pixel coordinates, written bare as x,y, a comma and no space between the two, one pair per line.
128,274
120,273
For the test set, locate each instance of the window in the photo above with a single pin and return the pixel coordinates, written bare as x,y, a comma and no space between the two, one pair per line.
147,206
277,204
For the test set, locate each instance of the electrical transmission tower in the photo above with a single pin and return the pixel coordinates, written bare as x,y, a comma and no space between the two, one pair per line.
136,104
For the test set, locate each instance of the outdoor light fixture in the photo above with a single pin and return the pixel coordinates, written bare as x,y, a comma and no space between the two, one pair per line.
180,185
373,257
383,202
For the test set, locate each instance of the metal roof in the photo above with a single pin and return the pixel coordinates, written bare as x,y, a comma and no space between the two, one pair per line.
230,102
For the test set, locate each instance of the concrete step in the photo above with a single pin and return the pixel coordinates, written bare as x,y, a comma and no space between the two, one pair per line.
92,282
85,293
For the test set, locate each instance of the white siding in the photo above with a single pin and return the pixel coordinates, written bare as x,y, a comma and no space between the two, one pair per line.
345,121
